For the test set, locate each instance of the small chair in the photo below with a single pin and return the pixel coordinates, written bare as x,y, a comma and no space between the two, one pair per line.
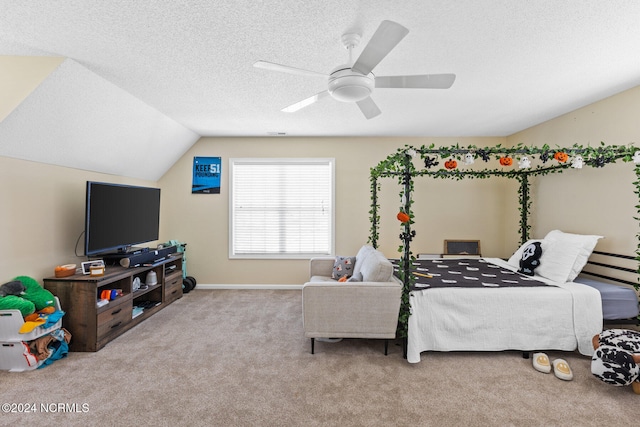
356,309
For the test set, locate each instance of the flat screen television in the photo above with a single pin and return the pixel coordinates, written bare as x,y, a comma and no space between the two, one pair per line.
119,216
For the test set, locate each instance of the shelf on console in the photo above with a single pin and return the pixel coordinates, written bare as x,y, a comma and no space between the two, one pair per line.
93,327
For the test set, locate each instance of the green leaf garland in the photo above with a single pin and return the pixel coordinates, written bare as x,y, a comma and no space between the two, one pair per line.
527,161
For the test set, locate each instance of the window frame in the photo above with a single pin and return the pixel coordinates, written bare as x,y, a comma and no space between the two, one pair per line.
272,161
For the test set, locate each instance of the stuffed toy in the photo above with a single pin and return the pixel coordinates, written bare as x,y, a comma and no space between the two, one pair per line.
469,159
506,161
530,258
561,156
577,162
11,298
25,294
524,163
14,287
35,293
616,359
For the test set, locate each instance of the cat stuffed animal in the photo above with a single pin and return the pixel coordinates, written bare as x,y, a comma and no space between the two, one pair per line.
14,287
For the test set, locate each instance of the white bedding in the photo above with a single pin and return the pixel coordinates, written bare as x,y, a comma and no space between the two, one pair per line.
561,317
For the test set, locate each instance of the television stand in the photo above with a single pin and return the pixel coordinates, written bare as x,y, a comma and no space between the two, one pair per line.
92,327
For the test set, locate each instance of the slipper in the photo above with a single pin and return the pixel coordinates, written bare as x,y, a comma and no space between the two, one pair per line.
541,363
562,370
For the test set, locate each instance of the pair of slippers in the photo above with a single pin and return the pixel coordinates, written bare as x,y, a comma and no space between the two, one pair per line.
561,368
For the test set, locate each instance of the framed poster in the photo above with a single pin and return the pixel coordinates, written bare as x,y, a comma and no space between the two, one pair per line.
206,175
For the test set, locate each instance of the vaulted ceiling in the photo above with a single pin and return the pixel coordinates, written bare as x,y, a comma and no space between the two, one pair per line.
125,87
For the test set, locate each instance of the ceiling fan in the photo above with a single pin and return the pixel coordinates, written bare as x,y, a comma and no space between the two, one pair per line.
354,82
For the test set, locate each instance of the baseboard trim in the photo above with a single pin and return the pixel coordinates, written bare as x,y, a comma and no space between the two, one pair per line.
250,287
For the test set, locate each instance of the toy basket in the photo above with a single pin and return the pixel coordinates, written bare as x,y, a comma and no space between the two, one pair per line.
15,355
11,321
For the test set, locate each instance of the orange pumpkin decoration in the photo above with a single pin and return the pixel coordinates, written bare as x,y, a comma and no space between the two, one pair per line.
403,217
506,161
561,156
451,164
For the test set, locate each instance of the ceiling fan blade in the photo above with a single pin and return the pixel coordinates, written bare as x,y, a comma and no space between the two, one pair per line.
422,81
386,37
369,108
286,69
305,102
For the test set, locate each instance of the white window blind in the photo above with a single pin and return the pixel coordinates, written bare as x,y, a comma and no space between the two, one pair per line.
281,208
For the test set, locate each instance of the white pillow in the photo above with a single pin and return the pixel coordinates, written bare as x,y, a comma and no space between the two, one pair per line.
557,260
583,243
564,255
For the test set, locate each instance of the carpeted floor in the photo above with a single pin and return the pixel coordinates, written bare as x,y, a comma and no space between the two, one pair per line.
239,358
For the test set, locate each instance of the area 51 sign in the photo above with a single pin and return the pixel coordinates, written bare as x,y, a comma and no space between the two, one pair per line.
206,175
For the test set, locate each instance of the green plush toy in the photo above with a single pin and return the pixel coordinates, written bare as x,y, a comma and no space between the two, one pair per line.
35,293
11,298
14,302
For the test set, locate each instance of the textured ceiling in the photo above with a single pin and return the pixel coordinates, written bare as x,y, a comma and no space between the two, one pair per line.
145,79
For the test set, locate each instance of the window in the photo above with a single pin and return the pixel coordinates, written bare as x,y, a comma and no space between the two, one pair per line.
281,208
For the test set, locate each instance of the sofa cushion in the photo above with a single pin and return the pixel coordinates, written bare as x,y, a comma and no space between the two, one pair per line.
376,267
357,277
361,256
343,267
315,279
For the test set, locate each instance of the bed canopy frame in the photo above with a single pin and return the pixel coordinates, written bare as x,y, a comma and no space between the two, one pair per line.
519,162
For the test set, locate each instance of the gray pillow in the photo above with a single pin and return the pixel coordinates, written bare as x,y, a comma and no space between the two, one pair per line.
376,268
343,266
357,277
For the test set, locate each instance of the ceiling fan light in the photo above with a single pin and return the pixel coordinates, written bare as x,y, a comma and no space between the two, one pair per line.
350,93
347,86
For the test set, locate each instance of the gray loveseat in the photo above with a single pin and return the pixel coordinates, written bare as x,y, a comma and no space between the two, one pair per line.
354,309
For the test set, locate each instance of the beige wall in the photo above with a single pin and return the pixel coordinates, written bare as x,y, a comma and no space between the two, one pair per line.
590,200
42,216
446,210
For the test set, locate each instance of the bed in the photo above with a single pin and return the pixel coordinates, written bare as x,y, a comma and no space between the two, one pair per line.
563,315
552,313
615,276
619,303
555,316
